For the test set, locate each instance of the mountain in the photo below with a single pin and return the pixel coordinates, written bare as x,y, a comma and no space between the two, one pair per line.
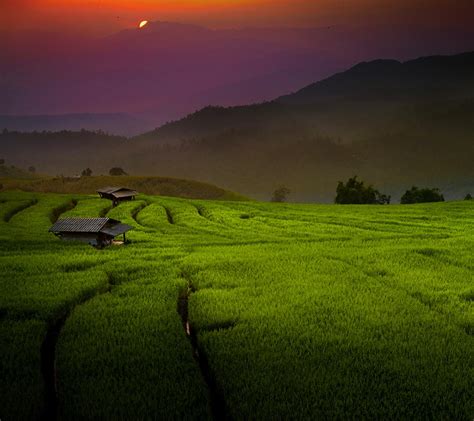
368,99
159,73
119,124
395,124
390,80
168,70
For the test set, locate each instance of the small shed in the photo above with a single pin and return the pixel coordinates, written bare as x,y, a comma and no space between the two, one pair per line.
98,232
117,194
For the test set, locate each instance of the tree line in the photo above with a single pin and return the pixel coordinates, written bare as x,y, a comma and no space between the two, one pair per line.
115,171
356,192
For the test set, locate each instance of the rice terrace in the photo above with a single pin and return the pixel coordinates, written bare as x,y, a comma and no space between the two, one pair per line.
236,210
220,309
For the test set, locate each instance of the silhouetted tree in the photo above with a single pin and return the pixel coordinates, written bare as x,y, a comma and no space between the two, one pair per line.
468,197
32,169
86,173
280,194
117,171
425,195
383,199
356,192
2,162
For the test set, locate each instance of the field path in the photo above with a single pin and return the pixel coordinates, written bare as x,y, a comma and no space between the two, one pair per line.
48,358
10,213
217,403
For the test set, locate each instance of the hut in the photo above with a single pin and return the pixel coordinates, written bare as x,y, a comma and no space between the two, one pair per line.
98,232
117,194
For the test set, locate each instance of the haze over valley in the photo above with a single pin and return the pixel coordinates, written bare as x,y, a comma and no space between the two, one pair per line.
395,124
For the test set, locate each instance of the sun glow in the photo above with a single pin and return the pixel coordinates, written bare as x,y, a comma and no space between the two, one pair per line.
143,23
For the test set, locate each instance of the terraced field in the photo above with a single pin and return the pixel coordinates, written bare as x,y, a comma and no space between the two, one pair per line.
237,310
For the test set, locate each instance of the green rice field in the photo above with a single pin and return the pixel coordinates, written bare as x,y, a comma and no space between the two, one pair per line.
237,310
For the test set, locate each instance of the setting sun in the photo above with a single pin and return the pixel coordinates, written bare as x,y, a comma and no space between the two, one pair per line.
142,24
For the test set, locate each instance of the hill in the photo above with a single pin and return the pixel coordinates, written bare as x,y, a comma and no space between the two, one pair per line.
394,124
11,171
426,78
391,122
148,185
370,96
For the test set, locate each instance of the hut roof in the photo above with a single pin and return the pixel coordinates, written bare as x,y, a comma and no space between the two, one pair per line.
107,226
124,193
79,225
116,230
111,190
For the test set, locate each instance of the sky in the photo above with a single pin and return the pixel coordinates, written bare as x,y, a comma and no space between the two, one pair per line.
167,71
107,16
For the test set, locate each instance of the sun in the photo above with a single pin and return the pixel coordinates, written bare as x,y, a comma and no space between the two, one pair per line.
143,23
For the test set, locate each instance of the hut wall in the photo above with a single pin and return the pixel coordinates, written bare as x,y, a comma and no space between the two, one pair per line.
89,238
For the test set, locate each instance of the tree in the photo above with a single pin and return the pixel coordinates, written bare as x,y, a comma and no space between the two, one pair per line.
115,171
32,169
86,173
2,161
468,197
280,194
356,192
424,195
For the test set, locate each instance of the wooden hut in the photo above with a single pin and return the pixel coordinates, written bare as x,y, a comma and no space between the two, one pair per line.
117,194
98,232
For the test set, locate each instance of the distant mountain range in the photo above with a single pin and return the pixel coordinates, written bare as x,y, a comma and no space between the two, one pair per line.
168,70
427,78
349,105
120,123
394,124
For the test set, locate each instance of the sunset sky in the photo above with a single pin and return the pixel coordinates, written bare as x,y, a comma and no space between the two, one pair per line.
169,70
106,16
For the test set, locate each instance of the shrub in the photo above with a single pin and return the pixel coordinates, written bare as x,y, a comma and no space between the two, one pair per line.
280,194
116,171
86,173
468,197
356,192
425,195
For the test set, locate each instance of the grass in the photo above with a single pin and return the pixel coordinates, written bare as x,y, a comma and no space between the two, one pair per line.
298,311
164,186
10,171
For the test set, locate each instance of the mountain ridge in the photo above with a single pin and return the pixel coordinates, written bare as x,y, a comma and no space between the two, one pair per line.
167,70
393,141
114,123
444,65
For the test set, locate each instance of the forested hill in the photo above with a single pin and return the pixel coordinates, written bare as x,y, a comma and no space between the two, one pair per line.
427,78
359,97
394,124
